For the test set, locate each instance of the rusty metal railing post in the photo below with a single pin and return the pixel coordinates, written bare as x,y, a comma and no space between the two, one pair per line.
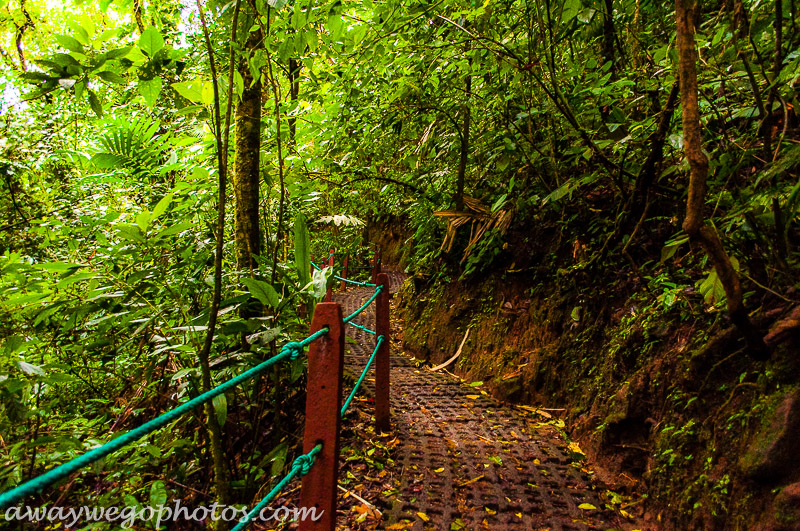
382,362
329,293
323,402
346,262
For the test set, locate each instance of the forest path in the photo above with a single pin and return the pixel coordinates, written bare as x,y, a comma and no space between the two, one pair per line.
462,460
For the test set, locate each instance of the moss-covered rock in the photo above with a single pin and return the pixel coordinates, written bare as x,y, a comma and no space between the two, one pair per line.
772,455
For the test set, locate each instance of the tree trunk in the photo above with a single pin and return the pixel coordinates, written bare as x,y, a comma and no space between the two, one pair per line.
294,92
137,15
462,163
246,169
608,34
694,224
221,475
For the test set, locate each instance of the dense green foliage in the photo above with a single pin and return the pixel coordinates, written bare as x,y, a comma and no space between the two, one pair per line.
490,117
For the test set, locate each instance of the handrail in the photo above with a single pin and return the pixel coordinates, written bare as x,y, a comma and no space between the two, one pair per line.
360,380
364,328
303,464
290,351
365,305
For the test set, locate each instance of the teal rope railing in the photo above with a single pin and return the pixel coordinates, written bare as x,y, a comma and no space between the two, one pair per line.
363,375
355,282
300,467
291,351
364,328
349,281
364,306
303,463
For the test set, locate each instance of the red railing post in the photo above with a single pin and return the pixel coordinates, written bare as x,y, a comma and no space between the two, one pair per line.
329,293
323,402
382,362
346,262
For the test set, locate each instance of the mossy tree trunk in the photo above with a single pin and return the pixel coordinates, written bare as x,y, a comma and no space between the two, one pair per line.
246,171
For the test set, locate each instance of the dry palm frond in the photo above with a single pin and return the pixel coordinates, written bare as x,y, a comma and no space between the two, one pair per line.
481,218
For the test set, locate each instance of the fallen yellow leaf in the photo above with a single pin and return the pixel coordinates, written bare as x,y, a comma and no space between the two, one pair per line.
473,480
573,447
424,517
473,397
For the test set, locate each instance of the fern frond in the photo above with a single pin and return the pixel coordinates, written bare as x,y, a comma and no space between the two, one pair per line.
133,145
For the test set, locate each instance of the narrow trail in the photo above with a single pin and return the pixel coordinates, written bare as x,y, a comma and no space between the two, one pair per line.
465,461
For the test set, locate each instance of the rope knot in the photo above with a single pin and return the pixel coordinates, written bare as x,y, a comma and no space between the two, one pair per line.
294,349
304,463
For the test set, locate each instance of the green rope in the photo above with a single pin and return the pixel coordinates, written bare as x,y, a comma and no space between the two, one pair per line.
357,283
300,466
337,277
364,328
381,338
291,351
364,307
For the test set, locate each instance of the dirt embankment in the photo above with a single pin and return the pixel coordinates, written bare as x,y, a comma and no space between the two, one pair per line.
660,393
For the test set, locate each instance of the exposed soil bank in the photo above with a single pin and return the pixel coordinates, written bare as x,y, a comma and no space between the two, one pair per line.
658,391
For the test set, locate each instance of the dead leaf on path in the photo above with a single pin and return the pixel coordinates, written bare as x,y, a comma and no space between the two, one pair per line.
424,517
365,511
400,525
473,397
537,411
471,481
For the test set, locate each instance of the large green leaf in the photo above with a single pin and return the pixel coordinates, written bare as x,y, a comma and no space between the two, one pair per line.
150,89
161,206
118,53
30,369
158,494
262,291
220,404
151,41
191,90
107,75
95,104
302,249
70,43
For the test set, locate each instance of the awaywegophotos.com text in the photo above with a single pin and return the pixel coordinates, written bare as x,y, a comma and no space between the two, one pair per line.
128,515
